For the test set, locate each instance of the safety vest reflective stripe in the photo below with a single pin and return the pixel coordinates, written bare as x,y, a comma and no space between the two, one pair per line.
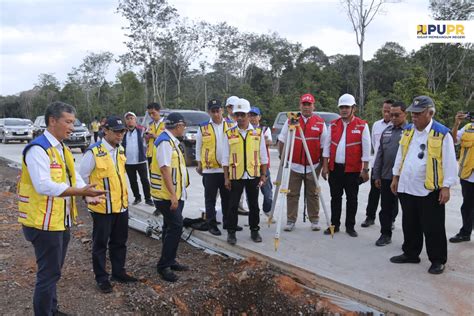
49,210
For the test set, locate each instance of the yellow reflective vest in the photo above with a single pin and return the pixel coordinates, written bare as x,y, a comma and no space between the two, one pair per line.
434,159
109,177
41,211
209,145
156,130
466,156
179,172
244,153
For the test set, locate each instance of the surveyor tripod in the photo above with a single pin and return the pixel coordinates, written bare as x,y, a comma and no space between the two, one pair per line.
283,176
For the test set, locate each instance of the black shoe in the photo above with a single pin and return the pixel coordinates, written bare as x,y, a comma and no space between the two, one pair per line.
404,259
149,202
351,232
383,240
242,212
179,267
214,230
137,201
168,275
123,278
368,222
328,231
237,228
436,268
231,239
459,238
254,234
105,287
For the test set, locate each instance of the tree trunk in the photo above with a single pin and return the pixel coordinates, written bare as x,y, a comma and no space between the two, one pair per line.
361,75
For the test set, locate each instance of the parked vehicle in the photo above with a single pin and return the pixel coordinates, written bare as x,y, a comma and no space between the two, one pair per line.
16,129
281,119
80,137
193,119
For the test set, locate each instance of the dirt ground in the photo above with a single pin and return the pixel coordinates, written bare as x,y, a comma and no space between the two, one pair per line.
215,285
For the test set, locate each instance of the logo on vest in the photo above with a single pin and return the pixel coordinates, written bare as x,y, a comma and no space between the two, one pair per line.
315,128
355,131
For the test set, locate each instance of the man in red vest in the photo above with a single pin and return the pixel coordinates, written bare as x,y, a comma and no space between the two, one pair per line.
346,159
314,131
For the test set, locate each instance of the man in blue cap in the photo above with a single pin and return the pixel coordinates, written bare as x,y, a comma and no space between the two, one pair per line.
425,168
103,164
169,182
254,117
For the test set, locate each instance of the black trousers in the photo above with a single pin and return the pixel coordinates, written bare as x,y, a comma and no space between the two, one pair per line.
214,182
340,182
251,190
374,197
50,251
96,136
389,210
467,207
423,215
109,230
142,171
172,230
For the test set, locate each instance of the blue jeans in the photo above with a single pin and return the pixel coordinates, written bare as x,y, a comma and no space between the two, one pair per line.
50,251
267,194
172,230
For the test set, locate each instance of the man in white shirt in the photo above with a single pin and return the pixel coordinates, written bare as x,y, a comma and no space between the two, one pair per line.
48,174
104,165
254,117
425,168
315,133
244,159
169,182
136,159
346,159
209,144
374,194
465,137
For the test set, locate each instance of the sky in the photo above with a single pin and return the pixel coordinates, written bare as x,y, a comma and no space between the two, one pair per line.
53,36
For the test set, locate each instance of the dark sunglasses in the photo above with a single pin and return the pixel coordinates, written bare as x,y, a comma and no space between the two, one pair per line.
422,153
240,114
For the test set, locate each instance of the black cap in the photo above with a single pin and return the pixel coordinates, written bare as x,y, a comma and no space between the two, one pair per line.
214,104
114,123
420,104
174,118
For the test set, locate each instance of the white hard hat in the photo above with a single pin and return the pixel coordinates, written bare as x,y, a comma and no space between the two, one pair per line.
346,100
242,106
232,100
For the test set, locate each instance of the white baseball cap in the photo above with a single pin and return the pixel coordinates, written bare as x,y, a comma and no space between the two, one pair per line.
232,100
242,106
129,113
346,100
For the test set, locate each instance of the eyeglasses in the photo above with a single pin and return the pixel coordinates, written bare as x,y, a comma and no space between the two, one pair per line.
422,153
240,114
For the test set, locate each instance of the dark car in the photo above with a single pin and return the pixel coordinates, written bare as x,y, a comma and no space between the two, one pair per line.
80,137
193,119
281,119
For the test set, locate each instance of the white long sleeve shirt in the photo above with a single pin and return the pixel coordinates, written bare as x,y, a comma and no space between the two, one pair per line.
164,153
226,150
295,166
341,147
219,132
37,162
412,177
377,130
